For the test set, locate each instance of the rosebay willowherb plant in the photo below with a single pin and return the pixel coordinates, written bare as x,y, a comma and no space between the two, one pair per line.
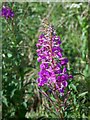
53,68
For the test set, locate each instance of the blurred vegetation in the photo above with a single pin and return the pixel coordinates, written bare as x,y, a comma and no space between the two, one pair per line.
20,96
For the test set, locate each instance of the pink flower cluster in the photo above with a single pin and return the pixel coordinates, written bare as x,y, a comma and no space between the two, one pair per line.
7,12
53,67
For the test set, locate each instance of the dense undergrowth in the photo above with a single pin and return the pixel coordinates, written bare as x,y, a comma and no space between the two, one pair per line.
21,97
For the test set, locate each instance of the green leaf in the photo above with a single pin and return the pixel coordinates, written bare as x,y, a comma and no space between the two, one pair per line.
53,99
83,94
4,100
73,87
9,55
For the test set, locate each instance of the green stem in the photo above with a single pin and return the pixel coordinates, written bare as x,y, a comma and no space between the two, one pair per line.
88,21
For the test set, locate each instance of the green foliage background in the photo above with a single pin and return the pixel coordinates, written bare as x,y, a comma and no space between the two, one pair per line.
20,96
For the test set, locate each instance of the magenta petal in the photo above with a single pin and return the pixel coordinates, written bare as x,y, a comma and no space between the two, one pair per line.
65,83
70,76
